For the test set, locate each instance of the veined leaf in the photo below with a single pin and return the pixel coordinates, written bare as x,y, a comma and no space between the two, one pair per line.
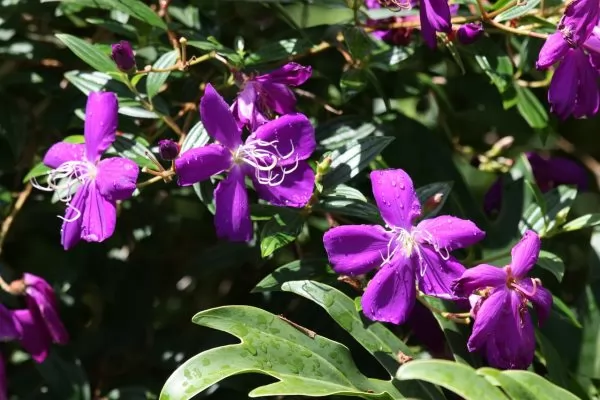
553,263
156,79
88,53
585,221
558,203
196,137
304,363
541,388
282,229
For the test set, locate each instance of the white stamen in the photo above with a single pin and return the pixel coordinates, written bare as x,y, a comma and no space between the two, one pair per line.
64,181
264,157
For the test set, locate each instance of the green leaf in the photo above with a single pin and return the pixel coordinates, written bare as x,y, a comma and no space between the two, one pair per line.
585,221
531,108
196,137
343,130
540,387
553,263
156,79
38,170
517,11
511,387
342,205
303,363
282,229
88,53
378,340
135,8
277,51
558,203
349,160
555,365
128,146
360,46
307,268
424,193
458,378
494,63
307,16
352,82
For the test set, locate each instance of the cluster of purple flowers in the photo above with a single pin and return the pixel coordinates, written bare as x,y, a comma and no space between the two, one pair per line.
36,327
411,255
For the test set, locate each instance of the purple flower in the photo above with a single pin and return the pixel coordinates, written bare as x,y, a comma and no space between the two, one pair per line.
168,149
469,33
574,89
404,253
435,17
122,55
396,36
41,301
273,156
263,94
503,330
547,172
89,186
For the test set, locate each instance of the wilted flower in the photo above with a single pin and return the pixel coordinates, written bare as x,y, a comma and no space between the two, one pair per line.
89,186
574,87
503,330
469,33
168,149
405,254
122,55
547,172
263,94
273,156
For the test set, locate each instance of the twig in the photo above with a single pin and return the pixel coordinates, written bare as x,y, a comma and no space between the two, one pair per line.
7,223
306,331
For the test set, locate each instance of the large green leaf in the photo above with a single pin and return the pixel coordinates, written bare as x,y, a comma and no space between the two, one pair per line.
135,8
349,160
458,378
541,388
282,229
585,221
557,203
88,53
307,268
156,79
511,387
304,363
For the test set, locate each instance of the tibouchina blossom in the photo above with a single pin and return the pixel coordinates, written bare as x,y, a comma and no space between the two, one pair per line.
89,186
273,156
263,94
435,17
503,330
574,87
406,255
548,173
122,55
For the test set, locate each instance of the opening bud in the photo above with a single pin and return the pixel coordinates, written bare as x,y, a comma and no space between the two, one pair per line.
469,33
122,55
168,149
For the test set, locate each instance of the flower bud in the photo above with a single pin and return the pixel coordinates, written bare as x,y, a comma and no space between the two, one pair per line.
122,55
469,33
168,149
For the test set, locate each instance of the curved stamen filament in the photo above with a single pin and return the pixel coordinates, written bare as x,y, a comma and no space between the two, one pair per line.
73,218
264,157
524,291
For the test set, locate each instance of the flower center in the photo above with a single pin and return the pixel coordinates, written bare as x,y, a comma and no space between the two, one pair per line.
65,180
265,157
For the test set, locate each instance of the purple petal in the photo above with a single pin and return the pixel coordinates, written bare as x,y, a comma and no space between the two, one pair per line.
200,163
356,249
396,197
62,152
41,298
563,87
34,336
541,299
279,98
438,274
116,178
525,254
479,277
579,20
71,227
218,119
554,49
294,134
232,217
427,31
244,106
295,190
493,197
512,345
99,216
449,233
290,74
557,171
488,314
588,95
9,329
390,295
100,123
